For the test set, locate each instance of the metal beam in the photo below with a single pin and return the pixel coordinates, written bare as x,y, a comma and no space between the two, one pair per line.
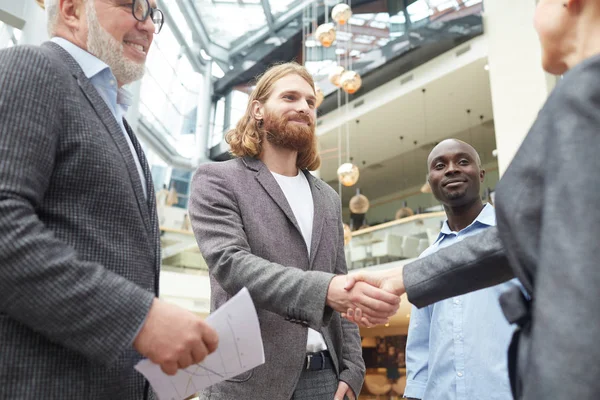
13,13
218,53
164,150
194,20
268,15
259,57
194,23
291,15
195,60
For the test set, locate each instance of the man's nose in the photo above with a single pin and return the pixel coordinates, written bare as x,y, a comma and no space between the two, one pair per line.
147,26
452,168
303,107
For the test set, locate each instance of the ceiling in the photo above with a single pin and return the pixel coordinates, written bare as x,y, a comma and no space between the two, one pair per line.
390,144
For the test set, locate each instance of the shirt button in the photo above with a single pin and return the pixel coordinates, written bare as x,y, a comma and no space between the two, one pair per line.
456,301
460,374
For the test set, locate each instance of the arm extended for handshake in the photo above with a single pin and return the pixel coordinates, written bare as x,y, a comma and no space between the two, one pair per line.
475,263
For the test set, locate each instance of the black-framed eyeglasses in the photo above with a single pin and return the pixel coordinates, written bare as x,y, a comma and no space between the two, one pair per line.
141,10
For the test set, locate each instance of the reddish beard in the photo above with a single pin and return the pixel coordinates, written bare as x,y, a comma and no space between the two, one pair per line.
280,132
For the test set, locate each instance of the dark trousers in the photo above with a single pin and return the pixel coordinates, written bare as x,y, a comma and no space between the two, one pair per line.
316,385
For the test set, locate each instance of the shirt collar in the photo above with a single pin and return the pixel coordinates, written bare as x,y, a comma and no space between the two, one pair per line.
486,217
124,98
90,64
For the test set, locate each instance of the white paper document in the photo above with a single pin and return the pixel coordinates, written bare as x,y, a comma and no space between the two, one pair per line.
240,349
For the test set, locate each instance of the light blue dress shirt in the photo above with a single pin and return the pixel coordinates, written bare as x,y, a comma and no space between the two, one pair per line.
457,348
117,99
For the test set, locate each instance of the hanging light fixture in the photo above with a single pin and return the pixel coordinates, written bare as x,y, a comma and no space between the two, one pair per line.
326,34
404,212
41,3
347,234
426,188
348,174
319,94
336,74
359,204
350,81
341,13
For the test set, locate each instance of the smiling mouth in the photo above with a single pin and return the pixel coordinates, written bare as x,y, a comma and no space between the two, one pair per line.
454,183
137,47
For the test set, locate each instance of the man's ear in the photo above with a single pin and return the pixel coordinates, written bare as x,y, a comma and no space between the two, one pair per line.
71,12
258,110
482,175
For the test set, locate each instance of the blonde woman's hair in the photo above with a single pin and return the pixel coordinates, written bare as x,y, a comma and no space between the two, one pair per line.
247,137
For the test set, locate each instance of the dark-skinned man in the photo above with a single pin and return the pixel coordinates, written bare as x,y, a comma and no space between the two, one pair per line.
456,348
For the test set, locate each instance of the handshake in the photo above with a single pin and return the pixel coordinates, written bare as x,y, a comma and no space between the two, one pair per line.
367,298
175,338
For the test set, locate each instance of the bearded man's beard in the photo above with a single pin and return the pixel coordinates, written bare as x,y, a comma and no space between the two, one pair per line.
280,132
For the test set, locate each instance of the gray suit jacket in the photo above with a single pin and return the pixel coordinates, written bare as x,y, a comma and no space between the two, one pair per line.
547,235
79,244
249,236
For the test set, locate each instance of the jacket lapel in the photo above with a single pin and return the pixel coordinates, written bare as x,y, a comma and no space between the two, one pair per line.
268,182
150,204
318,219
109,121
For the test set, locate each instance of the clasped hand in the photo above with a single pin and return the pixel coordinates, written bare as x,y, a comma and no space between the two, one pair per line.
382,289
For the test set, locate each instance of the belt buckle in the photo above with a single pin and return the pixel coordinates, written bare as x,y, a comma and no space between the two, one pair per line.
308,359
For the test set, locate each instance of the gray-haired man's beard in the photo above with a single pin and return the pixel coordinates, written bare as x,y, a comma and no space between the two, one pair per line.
104,46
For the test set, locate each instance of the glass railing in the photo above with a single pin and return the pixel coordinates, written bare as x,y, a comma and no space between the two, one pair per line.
397,240
400,240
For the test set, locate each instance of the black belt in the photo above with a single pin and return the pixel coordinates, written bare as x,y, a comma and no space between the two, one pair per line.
318,361
515,306
517,310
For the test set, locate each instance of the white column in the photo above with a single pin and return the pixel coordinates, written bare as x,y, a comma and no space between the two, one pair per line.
203,114
34,31
12,13
519,84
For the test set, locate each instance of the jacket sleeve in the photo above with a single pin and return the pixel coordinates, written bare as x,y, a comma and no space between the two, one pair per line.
353,369
43,284
475,263
562,361
417,353
219,231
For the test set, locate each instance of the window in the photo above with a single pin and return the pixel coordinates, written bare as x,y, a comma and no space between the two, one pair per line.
170,93
9,36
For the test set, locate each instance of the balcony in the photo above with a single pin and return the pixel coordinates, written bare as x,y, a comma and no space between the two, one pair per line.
397,241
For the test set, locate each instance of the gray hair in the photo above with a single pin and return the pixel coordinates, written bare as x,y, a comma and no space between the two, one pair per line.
52,16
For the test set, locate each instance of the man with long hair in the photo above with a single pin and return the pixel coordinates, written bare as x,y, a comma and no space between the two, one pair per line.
264,222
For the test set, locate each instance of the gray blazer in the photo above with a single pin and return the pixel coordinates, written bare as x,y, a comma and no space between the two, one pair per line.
249,236
79,244
547,235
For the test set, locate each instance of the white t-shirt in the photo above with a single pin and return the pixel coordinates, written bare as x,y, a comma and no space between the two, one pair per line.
297,192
